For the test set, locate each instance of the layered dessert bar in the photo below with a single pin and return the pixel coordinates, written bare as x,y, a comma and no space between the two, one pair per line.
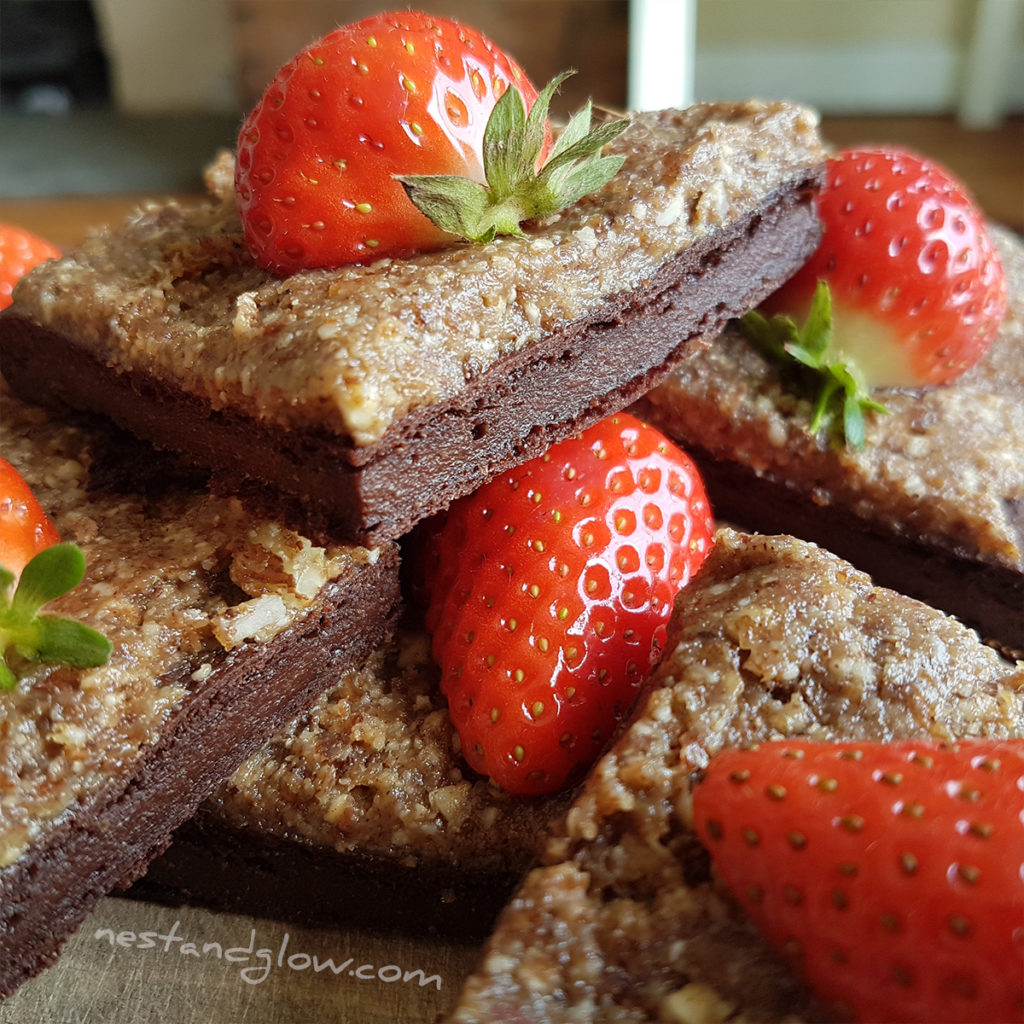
932,505
361,810
357,401
223,627
776,639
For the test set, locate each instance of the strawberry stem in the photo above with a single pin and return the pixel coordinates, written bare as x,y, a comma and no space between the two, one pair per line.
515,191
842,397
46,638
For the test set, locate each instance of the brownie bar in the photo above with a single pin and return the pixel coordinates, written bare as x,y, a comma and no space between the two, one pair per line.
355,403
933,506
360,811
776,638
984,594
223,628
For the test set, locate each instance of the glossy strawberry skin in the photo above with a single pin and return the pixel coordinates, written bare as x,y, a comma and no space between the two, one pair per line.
397,93
553,589
889,874
20,251
918,291
25,528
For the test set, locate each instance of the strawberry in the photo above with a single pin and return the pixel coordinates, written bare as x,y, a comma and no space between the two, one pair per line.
25,528
32,556
20,251
554,587
891,875
916,291
398,107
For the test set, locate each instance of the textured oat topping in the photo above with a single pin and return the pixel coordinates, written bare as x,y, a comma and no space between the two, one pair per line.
776,638
946,463
173,580
373,768
174,293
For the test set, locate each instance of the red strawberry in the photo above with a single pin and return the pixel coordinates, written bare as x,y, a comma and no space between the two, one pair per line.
30,548
892,875
25,528
915,286
20,251
357,120
555,585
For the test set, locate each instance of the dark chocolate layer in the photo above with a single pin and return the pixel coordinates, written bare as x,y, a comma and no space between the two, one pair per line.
514,411
250,872
251,692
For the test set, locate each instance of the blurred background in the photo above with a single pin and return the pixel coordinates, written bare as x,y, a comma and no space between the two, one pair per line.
107,97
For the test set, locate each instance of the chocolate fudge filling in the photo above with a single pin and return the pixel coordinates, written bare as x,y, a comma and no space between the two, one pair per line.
357,401
222,628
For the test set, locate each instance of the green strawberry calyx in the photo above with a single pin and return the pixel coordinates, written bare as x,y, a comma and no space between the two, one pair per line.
842,397
515,190
34,637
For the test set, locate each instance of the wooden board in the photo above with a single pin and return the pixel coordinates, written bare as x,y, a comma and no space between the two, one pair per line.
138,963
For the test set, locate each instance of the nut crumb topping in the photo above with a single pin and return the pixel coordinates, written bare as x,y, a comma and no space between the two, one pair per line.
373,768
173,579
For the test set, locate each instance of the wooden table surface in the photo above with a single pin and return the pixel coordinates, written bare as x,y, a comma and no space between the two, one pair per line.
138,963
66,220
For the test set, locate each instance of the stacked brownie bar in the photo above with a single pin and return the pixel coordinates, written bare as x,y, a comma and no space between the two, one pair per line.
223,626
357,401
332,408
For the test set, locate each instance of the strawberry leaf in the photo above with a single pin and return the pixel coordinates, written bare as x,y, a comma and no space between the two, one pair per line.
573,132
515,192
769,337
504,143
454,204
53,571
843,397
589,142
46,638
536,120
68,642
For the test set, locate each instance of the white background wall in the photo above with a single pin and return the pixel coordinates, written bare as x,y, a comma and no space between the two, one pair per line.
169,55
865,56
843,56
